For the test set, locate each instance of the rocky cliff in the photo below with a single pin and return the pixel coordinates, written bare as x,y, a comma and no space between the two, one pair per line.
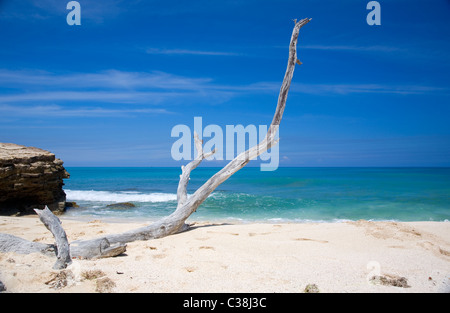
30,178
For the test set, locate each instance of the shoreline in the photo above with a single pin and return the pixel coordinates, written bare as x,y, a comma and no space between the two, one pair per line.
217,221
229,221
250,257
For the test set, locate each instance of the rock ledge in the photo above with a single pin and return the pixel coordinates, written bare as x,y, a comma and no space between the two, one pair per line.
30,178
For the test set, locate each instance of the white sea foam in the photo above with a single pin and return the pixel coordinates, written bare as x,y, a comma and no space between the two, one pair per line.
108,196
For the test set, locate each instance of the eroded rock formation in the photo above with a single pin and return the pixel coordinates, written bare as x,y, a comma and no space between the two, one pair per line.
30,178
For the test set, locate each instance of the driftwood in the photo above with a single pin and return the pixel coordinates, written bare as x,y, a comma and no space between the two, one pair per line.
61,248
11,243
115,244
53,224
91,249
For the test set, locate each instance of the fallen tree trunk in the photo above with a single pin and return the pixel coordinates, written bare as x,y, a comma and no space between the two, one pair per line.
115,244
11,243
91,249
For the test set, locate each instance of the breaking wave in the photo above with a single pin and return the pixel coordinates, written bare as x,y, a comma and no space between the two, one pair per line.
125,196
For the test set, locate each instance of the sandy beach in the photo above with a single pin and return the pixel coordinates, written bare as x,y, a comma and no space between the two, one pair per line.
285,258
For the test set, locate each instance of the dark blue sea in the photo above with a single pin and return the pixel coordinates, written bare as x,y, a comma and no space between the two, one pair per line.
250,195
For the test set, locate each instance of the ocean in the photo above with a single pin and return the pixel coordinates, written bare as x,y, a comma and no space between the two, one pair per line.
250,195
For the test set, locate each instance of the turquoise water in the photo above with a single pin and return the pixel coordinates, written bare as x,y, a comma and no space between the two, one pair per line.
284,195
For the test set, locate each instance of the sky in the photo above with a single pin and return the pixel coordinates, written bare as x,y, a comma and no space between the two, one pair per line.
108,92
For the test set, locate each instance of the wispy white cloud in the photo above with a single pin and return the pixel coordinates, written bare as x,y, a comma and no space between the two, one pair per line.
159,88
366,88
97,96
375,48
342,89
59,111
110,86
105,79
189,52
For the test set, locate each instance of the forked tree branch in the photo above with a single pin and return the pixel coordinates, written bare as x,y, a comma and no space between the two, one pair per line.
184,211
186,170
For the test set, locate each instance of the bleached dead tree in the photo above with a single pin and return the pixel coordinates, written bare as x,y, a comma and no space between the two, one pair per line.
115,244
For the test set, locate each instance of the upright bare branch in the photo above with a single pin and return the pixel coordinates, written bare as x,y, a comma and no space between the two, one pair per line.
186,170
242,159
53,224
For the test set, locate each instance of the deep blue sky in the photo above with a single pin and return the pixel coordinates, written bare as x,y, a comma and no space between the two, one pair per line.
108,92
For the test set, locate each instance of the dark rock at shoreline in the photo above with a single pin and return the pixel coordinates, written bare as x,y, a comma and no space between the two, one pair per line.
30,178
121,206
72,204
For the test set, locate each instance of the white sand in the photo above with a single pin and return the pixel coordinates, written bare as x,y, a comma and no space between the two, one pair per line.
337,257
